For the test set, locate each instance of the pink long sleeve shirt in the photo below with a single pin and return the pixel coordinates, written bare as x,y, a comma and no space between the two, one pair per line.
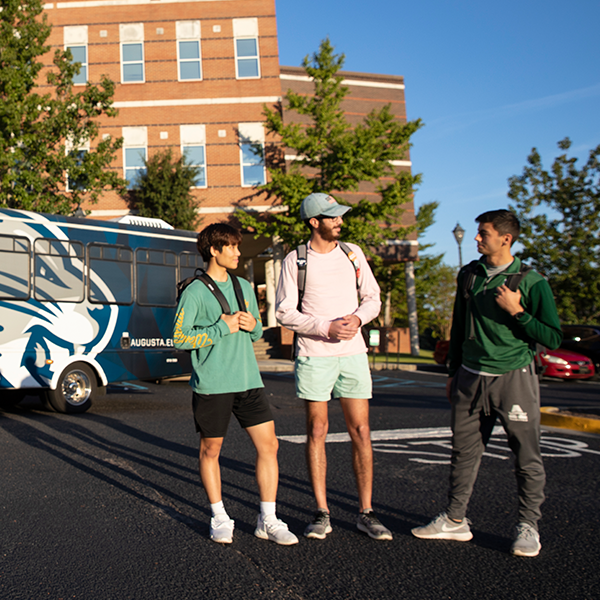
330,293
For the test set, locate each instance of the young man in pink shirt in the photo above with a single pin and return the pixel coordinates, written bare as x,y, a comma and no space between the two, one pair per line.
331,353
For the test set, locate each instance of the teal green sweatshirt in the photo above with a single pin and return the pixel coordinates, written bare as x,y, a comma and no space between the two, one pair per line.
500,343
223,362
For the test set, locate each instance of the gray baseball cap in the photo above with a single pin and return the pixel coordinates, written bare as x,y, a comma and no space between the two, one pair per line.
318,204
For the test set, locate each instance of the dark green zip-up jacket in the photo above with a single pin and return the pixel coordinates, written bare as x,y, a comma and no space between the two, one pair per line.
496,342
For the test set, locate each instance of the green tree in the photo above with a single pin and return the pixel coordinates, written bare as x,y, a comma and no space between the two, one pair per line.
559,212
333,155
41,133
435,284
162,191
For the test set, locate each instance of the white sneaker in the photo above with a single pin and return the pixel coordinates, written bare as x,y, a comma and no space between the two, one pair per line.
275,530
221,531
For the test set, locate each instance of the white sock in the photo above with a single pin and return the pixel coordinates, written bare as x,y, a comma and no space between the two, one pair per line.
267,509
218,510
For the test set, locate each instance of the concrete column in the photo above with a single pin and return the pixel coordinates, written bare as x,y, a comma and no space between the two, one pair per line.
249,271
270,292
387,313
411,300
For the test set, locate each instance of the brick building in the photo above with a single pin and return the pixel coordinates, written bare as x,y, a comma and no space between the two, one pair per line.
193,76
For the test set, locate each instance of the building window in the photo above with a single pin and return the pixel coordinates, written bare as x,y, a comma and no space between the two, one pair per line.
195,157
135,165
193,149
188,50
132,53
135,144
133,63
75,39
79,54
77,182
251,136
247,64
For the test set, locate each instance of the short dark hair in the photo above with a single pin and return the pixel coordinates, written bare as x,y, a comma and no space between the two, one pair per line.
216,236
504,221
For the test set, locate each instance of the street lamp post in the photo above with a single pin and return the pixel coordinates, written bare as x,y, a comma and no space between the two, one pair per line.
459,234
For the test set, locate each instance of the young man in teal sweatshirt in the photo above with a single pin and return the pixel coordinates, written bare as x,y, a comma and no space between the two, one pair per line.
492,375
226,381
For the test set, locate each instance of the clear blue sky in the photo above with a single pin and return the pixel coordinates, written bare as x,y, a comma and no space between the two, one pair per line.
490,81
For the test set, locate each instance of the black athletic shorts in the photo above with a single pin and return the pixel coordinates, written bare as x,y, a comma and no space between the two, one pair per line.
213,411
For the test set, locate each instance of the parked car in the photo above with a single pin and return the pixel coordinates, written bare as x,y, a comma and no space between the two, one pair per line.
566,364
583,339
554,363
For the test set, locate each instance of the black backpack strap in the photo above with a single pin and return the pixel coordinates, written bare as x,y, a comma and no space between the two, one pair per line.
470,272
208,281
301,262
514,279
237,288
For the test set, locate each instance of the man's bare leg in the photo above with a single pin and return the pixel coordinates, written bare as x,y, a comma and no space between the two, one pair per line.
356,412
317,425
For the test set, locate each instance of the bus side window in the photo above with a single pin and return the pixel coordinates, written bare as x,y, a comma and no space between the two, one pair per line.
156,277
58,270
188,263
15,276
110,278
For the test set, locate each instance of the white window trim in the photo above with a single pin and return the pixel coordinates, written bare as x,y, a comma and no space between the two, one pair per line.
123,63
184,29
246,29
83,64
194,135
70,148
134,138
251,133
132,33
186,60
246,37
76,36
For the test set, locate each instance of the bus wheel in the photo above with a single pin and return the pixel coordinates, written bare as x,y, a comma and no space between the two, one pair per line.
75,390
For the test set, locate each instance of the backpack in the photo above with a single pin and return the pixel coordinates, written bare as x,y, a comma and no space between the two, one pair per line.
301,256
513,281
301,252
207,280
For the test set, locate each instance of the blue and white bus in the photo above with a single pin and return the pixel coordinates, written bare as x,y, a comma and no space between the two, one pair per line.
84,303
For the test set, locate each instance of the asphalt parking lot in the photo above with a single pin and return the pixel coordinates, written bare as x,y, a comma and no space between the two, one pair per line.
108,504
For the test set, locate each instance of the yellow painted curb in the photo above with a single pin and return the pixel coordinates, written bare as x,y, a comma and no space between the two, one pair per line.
552,417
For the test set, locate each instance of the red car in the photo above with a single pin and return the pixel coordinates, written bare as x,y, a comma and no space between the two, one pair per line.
556,363
566,364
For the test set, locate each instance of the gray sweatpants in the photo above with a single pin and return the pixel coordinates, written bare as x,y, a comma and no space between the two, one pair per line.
477,401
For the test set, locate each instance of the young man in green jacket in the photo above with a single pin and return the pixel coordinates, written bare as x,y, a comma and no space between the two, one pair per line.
226,380
492,375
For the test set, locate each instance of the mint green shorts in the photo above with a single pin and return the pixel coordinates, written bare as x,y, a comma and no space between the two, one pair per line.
318,377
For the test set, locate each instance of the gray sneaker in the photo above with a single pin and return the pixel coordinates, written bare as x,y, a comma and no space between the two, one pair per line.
443,528
527,541
320,526
370,524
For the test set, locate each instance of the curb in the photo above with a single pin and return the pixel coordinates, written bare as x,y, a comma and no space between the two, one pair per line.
552,417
